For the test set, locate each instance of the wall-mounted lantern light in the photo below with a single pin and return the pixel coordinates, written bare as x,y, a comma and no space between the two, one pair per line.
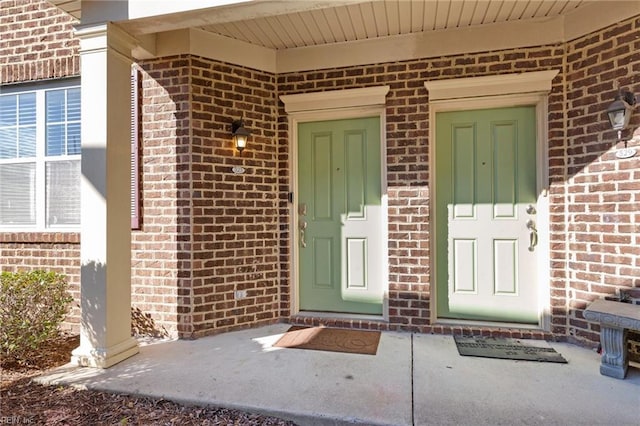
240,135
619,113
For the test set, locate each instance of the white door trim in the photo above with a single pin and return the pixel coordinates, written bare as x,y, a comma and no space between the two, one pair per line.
335,105
335,99
493,85
484,93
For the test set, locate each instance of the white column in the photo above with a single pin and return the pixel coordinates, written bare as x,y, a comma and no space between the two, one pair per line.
105,250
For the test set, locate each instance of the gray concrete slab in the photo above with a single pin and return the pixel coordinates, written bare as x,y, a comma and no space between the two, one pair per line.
242,370
413,380
453,390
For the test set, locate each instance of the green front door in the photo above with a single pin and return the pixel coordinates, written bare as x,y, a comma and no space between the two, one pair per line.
486,232
340,219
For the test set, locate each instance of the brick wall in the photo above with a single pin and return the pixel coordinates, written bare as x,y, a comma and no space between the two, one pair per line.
37,42
160,274
407,171
602,192
235,216
207,232
594,197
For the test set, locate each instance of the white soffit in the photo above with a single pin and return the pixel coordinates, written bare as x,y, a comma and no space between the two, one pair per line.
335,99
474,87
145,8
366,20
206,13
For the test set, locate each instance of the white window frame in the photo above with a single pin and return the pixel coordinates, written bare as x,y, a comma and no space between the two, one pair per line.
40,89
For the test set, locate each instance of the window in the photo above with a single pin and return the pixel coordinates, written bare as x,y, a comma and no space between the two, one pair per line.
40,156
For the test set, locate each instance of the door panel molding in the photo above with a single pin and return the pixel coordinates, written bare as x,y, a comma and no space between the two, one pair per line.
511,95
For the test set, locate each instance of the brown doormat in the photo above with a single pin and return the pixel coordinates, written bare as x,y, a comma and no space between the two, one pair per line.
490,347
331,339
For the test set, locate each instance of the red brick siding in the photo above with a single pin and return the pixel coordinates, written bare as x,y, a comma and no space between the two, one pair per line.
207,232
602,192
235,216
37,42
408,167
217,231
594,197
160,258
56,252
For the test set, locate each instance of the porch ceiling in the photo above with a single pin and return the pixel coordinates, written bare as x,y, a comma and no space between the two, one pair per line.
297,35
286,24
382,18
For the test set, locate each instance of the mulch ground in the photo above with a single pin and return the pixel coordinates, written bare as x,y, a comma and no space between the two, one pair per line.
23,401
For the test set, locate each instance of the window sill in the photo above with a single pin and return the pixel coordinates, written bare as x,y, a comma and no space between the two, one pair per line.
34,237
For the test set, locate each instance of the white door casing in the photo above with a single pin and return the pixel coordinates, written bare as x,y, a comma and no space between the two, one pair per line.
497,92
333,105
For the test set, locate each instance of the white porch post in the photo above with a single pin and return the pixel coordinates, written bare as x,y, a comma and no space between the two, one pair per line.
105,278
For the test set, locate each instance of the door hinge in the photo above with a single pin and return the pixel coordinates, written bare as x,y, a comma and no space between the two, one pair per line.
290,196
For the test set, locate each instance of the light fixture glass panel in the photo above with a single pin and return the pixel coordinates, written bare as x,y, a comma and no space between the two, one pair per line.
241,141
617,119
619,111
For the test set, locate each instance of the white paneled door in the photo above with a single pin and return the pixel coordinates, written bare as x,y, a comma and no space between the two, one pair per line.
340,217
486,229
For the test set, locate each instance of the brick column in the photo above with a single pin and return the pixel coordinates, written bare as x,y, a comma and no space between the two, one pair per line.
105,276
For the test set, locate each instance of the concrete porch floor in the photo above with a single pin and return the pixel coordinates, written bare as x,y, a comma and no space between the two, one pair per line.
414,379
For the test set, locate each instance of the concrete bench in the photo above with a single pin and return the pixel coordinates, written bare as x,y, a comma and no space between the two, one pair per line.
615,320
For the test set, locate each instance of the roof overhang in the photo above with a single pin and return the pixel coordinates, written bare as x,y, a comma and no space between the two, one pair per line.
375,31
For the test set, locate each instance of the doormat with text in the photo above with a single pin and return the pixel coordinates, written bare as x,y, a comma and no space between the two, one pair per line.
491,347
331,339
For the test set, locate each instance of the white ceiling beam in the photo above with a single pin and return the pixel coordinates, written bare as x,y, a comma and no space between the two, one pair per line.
423,45
213,46
597,15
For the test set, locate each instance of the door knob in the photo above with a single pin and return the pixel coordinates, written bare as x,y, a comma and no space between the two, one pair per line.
302,209
533,234
531,209
302,224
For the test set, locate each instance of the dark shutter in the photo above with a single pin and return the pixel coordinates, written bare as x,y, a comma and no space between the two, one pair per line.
135,147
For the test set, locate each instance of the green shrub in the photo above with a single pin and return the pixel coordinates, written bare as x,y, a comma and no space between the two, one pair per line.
32,307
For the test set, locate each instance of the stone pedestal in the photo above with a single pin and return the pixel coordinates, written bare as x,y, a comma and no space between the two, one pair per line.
615,320
615,362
